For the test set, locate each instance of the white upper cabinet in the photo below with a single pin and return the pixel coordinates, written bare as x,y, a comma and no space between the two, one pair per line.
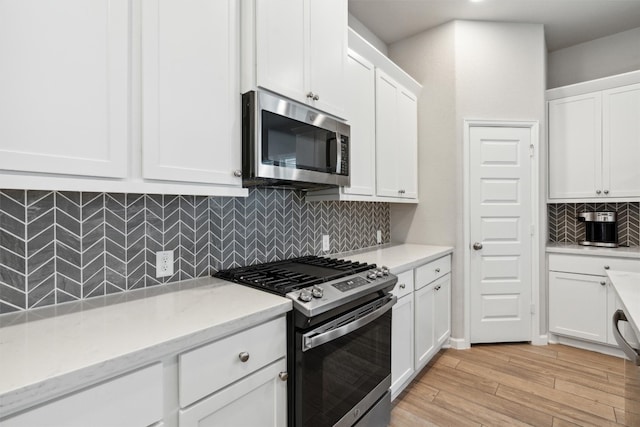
64,104
190,91
361,109
621,141
396,139
298,49
594,143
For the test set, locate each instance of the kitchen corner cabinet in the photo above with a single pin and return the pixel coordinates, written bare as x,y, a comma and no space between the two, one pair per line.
581,298
298,49
594,144
421,320
381,106
190,91
396,139
64,106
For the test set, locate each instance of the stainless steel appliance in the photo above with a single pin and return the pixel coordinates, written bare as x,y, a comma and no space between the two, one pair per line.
631,349
289,144
339,337
601,228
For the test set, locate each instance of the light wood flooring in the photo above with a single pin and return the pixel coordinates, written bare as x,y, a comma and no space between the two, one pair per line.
515,385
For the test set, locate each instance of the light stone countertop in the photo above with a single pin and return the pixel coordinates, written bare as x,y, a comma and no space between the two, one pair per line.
574,248
398,257
47,352
627,286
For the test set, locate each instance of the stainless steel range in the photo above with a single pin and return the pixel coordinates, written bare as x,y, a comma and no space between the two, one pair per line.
339,337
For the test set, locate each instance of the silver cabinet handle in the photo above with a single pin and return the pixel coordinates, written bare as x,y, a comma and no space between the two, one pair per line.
244,356
603,283
316,97
237,173
283,376
438,270
598,191
477,246
629,351
310,95
402,286
606,191
438,288
606,267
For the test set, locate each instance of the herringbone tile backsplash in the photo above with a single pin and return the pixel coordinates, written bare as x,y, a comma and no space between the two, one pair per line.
64,246
565,228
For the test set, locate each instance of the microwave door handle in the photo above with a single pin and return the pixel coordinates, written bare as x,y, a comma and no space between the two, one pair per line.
629,351
309,342
338,153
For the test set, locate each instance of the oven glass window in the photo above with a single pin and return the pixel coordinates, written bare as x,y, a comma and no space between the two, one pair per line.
292,144
336,376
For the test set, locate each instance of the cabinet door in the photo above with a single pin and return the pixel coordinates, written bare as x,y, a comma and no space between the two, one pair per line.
425,341
621,141
257,400
280,47
191,100
575,150
578,306
407,144
442,310
396,139
64,103
401,343
360,108
327,28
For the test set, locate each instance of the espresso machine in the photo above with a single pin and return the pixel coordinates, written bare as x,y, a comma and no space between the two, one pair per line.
601,229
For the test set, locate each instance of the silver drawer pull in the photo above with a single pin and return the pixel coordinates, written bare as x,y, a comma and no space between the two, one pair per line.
402,286
244,356
283,376
438,270
602,283
606,267
438,288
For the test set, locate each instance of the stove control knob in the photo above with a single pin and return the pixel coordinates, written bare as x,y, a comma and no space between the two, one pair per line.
317,292
385,270
372,275
379,273
305,296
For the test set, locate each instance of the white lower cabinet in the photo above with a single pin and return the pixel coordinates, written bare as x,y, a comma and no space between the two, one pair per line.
135,399
257,400
421,322
581,298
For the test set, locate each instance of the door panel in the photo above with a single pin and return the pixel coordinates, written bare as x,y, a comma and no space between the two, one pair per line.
500,169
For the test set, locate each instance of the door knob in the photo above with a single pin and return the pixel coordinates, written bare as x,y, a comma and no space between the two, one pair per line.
244,356
316,97
598,191
477,246
606,191
283,376
237,173
310,95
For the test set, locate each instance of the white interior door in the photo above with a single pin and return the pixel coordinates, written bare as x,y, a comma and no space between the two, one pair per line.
500,224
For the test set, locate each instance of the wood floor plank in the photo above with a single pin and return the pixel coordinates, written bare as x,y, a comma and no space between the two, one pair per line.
515,384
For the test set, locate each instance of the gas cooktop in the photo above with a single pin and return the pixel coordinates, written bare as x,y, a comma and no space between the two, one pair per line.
315,284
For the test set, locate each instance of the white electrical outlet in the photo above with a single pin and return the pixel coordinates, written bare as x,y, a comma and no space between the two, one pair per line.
164,263
379,236
325,242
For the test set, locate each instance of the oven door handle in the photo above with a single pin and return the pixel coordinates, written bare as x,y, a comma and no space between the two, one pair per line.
629,351
309,341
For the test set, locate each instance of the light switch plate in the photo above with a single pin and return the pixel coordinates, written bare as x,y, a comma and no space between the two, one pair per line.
325,242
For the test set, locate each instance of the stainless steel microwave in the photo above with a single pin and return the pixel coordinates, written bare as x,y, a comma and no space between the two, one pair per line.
285,143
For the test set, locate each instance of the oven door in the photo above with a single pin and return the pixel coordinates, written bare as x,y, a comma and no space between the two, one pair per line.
343,367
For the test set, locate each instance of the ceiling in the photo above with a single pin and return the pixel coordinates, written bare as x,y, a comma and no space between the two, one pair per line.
566,22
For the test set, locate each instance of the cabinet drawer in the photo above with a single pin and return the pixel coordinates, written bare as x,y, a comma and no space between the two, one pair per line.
404,285
429,272
134,399
593,265
213,366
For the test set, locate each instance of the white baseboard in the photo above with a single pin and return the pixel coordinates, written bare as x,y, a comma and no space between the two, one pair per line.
540,340
459,343
586,345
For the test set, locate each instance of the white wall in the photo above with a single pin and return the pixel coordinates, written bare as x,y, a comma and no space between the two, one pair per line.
366,34
606,56
474,70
